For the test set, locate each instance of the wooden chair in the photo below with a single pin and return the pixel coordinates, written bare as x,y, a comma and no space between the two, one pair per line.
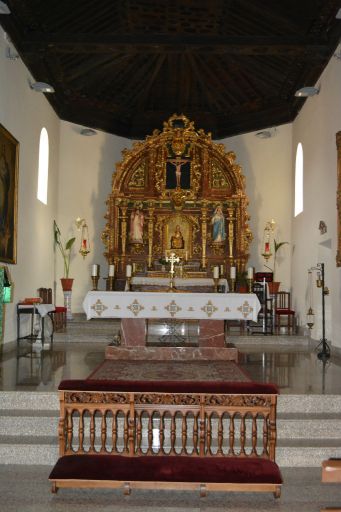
283,310
59,313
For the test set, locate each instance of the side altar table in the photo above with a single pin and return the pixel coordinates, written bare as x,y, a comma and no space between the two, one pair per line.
134,308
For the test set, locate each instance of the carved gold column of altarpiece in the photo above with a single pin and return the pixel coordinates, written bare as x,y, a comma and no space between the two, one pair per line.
212,178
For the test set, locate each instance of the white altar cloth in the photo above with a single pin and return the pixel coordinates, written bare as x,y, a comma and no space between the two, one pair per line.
189,306
178,282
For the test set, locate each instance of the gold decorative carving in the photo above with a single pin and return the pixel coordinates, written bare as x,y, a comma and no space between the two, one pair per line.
83,397
213,177
137,179
238,400
166,399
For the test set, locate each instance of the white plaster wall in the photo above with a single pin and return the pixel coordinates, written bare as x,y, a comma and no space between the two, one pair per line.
24,112
315,128
266,165
86,168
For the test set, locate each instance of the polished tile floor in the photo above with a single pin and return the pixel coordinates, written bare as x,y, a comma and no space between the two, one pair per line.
295,369
26,489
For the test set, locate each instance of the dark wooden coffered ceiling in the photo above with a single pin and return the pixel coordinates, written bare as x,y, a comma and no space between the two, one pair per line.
125,66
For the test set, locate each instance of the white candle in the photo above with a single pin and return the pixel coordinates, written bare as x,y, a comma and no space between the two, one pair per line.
94,270
233,272
250,273
111,270
128,271
221,270
215,272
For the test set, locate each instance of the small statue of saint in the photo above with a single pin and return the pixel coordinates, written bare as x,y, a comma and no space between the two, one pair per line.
177,240
136,226
218,223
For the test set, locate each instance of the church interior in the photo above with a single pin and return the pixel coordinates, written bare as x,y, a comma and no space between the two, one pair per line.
170,254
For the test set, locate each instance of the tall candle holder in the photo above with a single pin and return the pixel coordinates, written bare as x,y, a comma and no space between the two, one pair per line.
233,284
250,284
94,280
110,283
128,283
216,282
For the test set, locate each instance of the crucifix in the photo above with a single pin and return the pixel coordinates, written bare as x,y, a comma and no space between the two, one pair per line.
172,259
178,164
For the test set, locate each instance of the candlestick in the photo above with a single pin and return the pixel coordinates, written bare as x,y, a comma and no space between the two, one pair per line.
110,283
94,280
233,284
111,270
250,283
128,284
216,282
222,270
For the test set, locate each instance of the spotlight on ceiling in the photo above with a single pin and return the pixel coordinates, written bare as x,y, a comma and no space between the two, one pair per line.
41,87
266,134
304,92
88,132
4,9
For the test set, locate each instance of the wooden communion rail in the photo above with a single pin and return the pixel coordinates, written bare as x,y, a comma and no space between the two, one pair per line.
170,435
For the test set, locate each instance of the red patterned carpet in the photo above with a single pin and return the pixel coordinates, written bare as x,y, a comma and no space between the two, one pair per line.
226,371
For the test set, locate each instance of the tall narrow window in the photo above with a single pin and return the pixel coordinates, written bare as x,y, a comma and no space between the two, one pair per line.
43,169
299,180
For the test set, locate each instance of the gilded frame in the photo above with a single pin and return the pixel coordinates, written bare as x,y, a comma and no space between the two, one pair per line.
9,160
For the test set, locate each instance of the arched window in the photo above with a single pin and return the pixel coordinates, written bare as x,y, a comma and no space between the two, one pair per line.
299,180
43,168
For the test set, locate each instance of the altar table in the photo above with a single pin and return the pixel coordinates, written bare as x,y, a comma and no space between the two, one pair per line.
187,306
134,308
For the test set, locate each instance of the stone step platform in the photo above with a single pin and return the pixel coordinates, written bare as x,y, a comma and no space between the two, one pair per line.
172,353
309,428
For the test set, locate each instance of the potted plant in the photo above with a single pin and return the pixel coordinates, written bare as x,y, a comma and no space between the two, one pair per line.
274,285
65,251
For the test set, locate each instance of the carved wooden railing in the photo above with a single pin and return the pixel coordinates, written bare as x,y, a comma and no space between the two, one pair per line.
150,423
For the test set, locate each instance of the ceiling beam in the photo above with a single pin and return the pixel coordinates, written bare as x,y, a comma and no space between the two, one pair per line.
173,43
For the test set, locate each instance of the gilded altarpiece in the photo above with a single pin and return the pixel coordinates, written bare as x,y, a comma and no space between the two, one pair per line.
177,191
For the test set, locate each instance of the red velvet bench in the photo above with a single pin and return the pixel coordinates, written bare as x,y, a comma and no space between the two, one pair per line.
209,436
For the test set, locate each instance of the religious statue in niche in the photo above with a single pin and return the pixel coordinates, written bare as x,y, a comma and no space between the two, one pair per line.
177,240
218,225
136,225
178,173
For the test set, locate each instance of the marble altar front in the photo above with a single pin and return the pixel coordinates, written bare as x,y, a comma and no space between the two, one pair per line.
136,308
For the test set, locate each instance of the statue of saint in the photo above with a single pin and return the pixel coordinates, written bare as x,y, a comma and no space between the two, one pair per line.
218,223
136,225
177,241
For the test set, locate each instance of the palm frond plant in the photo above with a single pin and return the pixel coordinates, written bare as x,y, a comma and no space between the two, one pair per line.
65,249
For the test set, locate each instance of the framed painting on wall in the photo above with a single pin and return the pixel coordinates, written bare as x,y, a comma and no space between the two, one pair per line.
9,159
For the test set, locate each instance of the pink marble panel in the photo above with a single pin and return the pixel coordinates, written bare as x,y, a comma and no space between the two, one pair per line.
133,332
211,333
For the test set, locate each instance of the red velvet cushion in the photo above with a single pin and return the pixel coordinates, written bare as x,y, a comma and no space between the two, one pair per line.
60,309
283,311
169,386
167,469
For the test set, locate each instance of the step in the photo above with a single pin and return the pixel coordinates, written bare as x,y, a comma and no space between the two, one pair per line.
309,428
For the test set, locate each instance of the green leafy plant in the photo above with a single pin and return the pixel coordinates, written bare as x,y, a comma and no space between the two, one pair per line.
65,249
277,246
